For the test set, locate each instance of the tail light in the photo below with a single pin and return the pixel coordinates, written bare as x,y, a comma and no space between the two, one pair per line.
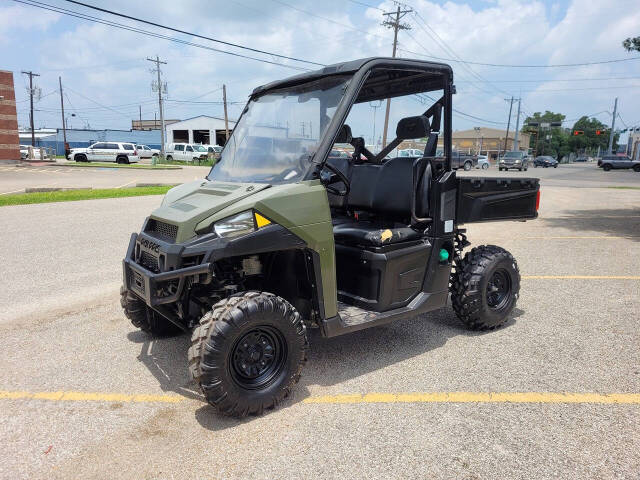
538,200
135,153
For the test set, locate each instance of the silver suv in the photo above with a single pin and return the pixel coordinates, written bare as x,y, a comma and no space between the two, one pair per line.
514,159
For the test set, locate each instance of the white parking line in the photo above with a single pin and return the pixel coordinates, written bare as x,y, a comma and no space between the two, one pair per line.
14,191
128,183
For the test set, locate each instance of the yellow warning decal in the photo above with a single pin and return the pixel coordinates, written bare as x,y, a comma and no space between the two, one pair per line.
261,221
386,235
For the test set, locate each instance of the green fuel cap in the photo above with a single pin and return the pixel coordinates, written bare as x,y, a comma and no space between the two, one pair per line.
444,255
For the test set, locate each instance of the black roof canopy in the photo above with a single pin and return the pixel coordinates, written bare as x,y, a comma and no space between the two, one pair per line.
389,77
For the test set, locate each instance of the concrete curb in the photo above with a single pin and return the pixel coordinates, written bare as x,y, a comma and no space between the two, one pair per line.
156,184
53,189
85,165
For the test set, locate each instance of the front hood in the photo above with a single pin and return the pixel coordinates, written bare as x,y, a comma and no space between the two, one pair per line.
188,204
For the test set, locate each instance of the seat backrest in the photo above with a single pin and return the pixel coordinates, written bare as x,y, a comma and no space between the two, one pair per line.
385,189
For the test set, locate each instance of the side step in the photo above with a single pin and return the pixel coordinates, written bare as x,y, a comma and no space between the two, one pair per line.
351,318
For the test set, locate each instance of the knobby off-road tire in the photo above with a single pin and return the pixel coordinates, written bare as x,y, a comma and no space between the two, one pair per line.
485,287
144,318
247,353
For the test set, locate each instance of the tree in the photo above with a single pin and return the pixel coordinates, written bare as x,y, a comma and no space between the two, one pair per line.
632,44
589,141
552,141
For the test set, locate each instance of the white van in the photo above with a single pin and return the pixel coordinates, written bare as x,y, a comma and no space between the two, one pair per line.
186,152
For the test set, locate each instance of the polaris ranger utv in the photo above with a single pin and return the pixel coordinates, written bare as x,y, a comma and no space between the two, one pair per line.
282,236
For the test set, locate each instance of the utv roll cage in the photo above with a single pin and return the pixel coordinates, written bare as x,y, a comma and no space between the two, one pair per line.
379,79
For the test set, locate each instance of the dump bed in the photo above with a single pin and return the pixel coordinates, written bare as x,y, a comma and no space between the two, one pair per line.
487,199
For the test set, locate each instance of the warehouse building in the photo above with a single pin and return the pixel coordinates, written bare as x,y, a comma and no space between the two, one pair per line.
202,129
487,141
9,149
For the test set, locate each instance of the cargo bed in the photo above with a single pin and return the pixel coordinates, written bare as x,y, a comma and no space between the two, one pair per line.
488,199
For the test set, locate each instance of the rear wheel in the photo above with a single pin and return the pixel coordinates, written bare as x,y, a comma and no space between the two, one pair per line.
636,168
485,287
247,353
122,160
144,318
485,166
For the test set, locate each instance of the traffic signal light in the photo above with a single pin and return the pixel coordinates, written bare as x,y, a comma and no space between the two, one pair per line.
578,132
600,132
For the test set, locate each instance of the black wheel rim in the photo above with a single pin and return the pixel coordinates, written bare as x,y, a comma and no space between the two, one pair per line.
499,289
258,357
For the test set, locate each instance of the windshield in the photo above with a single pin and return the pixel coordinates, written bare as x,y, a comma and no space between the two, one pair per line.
279,132
513,155
199,148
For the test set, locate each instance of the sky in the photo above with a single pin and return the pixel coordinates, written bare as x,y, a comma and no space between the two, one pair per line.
106,77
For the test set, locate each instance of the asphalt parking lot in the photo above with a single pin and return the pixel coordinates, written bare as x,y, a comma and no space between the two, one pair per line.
553,394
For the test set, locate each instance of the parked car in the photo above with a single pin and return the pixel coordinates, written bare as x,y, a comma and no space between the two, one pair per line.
145,151
410,152
545,161
118,152
214,150
24,152
483,162
581,158
611,162
186,152
514,159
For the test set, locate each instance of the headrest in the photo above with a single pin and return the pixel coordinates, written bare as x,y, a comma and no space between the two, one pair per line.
344,135
413,127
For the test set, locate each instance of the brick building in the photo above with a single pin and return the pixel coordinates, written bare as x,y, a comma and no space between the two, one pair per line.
9,149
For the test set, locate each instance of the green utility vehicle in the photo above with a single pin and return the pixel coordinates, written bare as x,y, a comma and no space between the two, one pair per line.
281,236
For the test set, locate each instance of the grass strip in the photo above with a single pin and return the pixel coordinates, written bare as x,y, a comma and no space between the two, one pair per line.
73,195
139,166
625,188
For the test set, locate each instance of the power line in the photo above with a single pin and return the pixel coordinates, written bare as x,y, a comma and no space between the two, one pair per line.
365,5
184,32
506,65
83,16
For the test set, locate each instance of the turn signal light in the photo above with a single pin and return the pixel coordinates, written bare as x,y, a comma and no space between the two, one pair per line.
538,200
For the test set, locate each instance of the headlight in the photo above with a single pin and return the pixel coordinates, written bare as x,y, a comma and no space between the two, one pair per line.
517,161
234,226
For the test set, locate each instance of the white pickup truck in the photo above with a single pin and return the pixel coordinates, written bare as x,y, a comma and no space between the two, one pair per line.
117,152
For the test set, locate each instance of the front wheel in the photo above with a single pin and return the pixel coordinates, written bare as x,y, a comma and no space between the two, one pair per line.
636,168
247,353
485,287
144,318
467,166
606,167
169,158
485,166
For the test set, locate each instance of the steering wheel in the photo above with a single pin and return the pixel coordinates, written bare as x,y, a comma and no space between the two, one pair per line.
337,177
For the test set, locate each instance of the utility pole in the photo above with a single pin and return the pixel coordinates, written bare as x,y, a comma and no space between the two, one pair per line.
613,126
375,109
396,25
226,117
506,137
157,61
515,140
64,124
31,75
140,116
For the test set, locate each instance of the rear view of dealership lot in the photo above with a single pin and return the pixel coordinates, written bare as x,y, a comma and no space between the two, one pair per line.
84,394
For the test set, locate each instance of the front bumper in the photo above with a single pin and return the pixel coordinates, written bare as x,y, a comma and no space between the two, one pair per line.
153,287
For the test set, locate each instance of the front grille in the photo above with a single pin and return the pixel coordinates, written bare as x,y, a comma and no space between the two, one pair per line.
136,281
149,261
163,230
